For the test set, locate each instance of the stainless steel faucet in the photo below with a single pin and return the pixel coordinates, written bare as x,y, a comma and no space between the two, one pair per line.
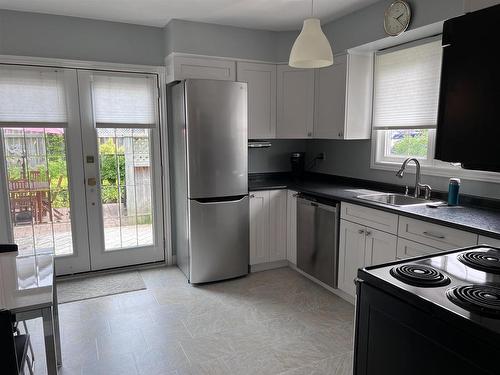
418,185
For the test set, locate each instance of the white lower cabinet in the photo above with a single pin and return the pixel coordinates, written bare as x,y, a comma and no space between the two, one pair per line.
291,230
380,247
259,227
268,226
351,254
361,246
396,237
411,249
278,225
483,240
435,235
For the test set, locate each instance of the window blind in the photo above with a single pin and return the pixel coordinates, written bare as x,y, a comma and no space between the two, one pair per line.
33,97
406,87
124,101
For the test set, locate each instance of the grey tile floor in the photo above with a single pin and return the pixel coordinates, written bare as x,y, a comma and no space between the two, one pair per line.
272,322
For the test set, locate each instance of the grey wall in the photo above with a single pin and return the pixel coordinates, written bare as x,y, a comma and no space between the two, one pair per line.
217,40
275,158
352,158
31,34
366,25
43,35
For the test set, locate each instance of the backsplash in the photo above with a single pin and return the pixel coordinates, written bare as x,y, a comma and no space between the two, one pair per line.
275,158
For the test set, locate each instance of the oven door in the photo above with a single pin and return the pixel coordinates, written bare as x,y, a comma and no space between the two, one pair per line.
394,337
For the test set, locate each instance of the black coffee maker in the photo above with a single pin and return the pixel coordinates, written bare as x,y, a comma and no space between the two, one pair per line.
298,160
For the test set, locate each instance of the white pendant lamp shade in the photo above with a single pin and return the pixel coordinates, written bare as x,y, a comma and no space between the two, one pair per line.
311,48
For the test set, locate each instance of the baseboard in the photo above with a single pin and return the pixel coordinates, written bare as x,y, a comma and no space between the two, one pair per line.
337,292
268,266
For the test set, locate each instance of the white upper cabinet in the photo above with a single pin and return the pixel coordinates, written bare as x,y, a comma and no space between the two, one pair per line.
295,102
330,84
261,80
343,97
184,67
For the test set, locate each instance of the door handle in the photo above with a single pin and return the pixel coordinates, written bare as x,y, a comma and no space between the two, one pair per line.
91,181
435,235
220,201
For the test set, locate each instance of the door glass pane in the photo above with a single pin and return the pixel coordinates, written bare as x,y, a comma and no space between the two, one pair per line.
125,172
39,198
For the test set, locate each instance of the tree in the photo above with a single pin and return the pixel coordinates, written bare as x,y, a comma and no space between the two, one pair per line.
112,170
412,145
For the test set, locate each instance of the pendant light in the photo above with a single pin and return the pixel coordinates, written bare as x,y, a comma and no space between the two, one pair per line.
311,48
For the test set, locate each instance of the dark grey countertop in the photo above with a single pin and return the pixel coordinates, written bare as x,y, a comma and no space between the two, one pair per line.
473,219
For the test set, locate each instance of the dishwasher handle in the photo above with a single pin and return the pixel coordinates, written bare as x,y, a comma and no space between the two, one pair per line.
332,207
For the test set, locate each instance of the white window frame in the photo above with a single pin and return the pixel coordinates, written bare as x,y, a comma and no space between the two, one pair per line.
429,166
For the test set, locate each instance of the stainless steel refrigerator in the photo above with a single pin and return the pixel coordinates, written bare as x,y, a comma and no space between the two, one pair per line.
209,178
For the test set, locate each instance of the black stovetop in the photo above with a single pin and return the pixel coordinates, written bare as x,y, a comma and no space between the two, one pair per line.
463,282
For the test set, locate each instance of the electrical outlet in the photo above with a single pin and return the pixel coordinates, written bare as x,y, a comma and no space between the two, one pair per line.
321,156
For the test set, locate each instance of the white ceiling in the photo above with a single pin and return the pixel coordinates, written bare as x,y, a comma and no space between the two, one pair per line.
258,14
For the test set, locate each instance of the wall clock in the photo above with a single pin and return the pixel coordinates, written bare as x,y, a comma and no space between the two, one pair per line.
397,17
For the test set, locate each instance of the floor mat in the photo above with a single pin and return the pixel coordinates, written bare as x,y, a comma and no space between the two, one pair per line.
98,286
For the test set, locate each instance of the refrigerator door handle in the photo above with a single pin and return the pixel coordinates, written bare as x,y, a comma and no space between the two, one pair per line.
220,200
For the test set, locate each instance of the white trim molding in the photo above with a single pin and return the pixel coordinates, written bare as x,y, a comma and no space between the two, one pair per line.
439,171
80,64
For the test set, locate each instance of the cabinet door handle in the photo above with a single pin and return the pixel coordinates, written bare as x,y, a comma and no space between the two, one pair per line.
252,196
361,231
368,233
435,235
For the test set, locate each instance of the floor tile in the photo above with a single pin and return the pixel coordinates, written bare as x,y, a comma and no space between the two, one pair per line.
271,322
161,359
112,365
214,367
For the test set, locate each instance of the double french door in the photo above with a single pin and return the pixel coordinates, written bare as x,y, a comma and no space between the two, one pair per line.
81,173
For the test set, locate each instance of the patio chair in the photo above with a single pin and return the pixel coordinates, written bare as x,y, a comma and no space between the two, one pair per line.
22,207
14,348
48,202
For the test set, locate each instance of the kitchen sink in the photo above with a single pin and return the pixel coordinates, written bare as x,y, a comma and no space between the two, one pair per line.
394,199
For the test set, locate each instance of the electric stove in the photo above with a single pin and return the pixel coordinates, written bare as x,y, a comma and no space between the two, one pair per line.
434,314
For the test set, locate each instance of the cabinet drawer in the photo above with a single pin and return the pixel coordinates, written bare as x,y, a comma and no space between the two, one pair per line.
488,241
438,236
411,249
369,217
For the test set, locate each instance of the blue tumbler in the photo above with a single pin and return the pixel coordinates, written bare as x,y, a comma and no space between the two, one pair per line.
453,189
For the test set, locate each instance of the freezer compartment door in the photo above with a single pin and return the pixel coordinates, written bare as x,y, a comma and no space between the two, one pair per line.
219,239
216,123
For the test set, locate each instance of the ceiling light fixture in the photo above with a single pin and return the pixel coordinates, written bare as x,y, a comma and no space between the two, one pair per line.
311,48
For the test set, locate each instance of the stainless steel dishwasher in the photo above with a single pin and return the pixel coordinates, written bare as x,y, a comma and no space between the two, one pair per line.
317,238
